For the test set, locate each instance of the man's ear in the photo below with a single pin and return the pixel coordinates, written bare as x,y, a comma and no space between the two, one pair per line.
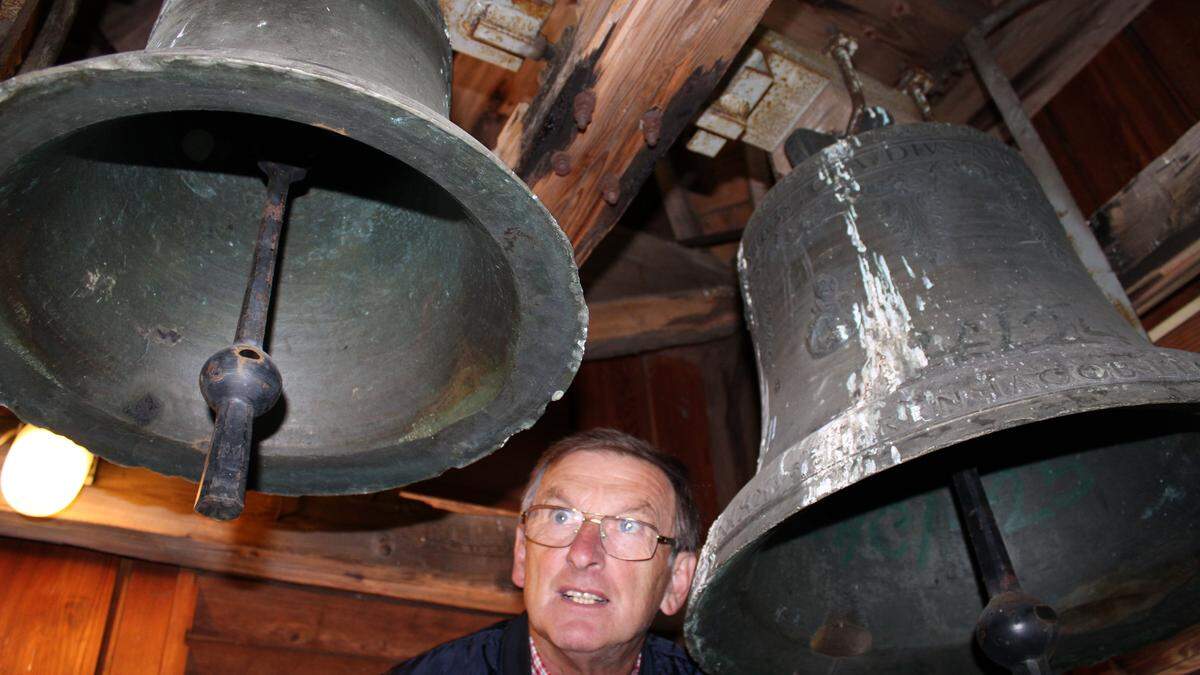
518,571
680,583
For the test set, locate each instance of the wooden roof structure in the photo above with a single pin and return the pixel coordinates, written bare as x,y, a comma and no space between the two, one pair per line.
657,268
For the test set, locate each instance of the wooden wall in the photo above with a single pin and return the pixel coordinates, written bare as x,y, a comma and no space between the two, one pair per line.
69,610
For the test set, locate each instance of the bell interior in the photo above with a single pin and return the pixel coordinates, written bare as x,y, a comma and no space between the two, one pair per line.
127,248
1094,510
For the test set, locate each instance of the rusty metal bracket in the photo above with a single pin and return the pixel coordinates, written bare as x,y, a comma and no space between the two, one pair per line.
502,32
762,101
779,85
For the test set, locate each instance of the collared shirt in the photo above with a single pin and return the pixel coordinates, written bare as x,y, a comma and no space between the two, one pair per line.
503,649
537,668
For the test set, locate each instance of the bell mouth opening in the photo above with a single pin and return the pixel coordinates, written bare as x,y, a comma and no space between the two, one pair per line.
127,248
1097,511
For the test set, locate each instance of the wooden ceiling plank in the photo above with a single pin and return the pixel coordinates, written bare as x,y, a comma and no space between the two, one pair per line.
392,548
1040,51
634,57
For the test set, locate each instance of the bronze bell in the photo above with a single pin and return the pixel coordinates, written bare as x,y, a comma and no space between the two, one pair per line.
426,306
916,310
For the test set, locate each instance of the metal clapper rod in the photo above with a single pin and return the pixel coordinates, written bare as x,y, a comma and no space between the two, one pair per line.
241,381
1015,629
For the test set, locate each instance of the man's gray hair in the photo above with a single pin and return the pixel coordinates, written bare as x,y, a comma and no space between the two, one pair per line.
687,519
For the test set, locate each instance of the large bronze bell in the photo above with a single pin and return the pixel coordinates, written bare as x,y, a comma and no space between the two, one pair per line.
426,306
917,310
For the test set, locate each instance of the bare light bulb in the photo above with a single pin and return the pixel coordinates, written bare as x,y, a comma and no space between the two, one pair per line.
43,472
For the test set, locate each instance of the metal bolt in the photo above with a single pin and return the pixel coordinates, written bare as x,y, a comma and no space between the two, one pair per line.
842,48
610,189
916,82
561,163
652,126
583,107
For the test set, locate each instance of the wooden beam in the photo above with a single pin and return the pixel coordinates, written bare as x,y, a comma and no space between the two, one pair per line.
645,293
1040,51
891,35
18,29
710,200
628,58
270,617
377,544
1150,229
650,322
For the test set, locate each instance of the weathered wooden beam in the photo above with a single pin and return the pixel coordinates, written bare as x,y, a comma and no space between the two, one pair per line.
1040,51
18,29
586,144
645,293
378,544
710,200
1150,230
646,323
51,36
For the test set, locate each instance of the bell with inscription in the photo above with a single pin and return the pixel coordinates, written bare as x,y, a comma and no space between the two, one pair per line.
419,307
918,314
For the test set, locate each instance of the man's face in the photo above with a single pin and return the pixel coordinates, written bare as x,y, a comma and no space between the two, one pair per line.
629,592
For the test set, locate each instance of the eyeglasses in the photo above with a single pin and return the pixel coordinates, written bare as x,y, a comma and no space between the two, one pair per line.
622,538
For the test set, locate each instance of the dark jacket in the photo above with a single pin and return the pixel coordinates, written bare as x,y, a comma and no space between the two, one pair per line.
503,649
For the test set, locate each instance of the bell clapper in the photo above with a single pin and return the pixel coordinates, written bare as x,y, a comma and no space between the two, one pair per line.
1015,629
241,381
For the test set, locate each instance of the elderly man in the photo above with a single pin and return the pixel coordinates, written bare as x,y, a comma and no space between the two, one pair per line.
607,538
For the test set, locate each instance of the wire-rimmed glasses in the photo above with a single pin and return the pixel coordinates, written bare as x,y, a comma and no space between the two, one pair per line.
622,538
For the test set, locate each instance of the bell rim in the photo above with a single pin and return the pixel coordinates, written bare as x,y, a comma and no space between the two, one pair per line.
547,304
725,541
716,561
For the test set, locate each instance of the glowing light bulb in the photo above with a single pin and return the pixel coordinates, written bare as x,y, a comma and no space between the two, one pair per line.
43,472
